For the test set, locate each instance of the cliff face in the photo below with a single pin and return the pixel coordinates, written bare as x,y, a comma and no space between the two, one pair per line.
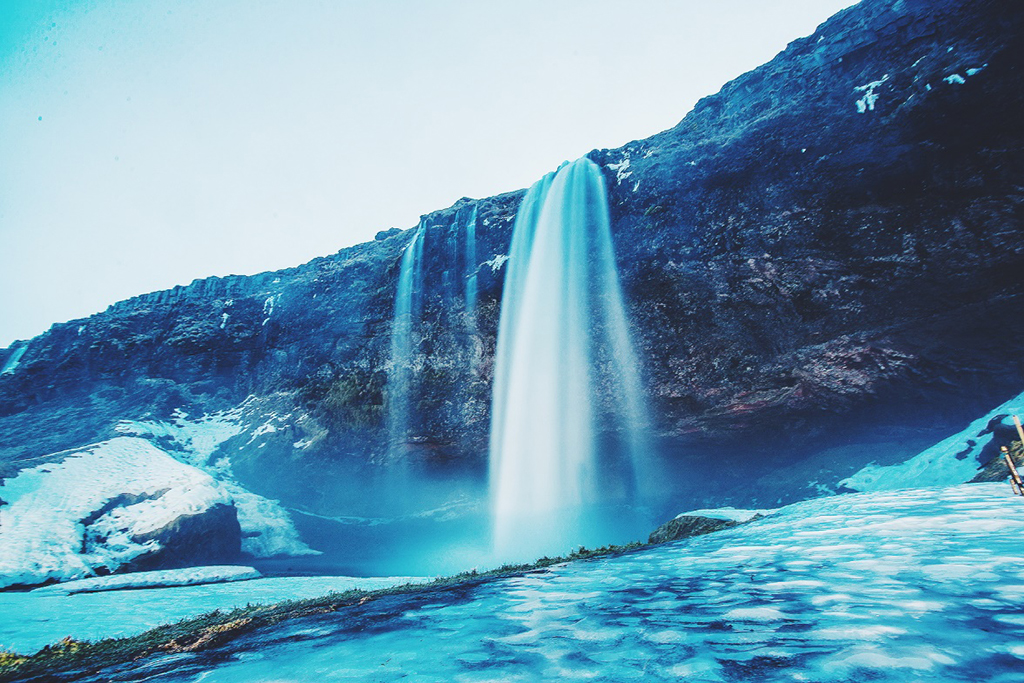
842,222
826,253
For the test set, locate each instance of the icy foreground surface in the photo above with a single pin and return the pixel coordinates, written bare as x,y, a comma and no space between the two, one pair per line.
28,621
163,578
923,584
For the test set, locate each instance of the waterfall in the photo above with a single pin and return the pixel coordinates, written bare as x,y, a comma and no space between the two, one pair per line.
471,268
449,258
13,360
408,308
567,413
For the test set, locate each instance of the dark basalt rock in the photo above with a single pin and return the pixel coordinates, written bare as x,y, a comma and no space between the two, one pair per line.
207,538
688,526
825,252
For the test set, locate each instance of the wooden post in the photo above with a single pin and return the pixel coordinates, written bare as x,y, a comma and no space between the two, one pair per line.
1015,480
1014,476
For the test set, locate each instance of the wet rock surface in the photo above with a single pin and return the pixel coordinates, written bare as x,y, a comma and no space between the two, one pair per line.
212,537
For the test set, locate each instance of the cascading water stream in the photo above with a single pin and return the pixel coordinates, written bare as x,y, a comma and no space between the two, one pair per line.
565,377
408,309
471,272
13,360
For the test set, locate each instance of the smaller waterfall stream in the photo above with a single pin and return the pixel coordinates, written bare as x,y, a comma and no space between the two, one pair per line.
471,271
13,360
408,309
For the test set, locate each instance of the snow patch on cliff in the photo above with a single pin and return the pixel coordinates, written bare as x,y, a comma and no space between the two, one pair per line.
268,307
497,262
621,169
197,439
957,79
274,423
951,461
867,102
49,528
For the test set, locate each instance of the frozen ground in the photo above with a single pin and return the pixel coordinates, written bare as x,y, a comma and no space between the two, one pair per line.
28,621
913,585
164,578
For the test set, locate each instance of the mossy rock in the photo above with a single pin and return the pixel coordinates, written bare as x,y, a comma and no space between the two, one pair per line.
997,470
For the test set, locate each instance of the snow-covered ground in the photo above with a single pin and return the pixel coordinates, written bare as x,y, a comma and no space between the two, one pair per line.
912,585
56,524
164,578
951,461
28,621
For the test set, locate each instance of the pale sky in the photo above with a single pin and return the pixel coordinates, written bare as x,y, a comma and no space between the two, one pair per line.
145,144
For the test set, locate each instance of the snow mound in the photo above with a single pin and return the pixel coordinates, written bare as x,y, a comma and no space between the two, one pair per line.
163,578
951,461
64,519
728,514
